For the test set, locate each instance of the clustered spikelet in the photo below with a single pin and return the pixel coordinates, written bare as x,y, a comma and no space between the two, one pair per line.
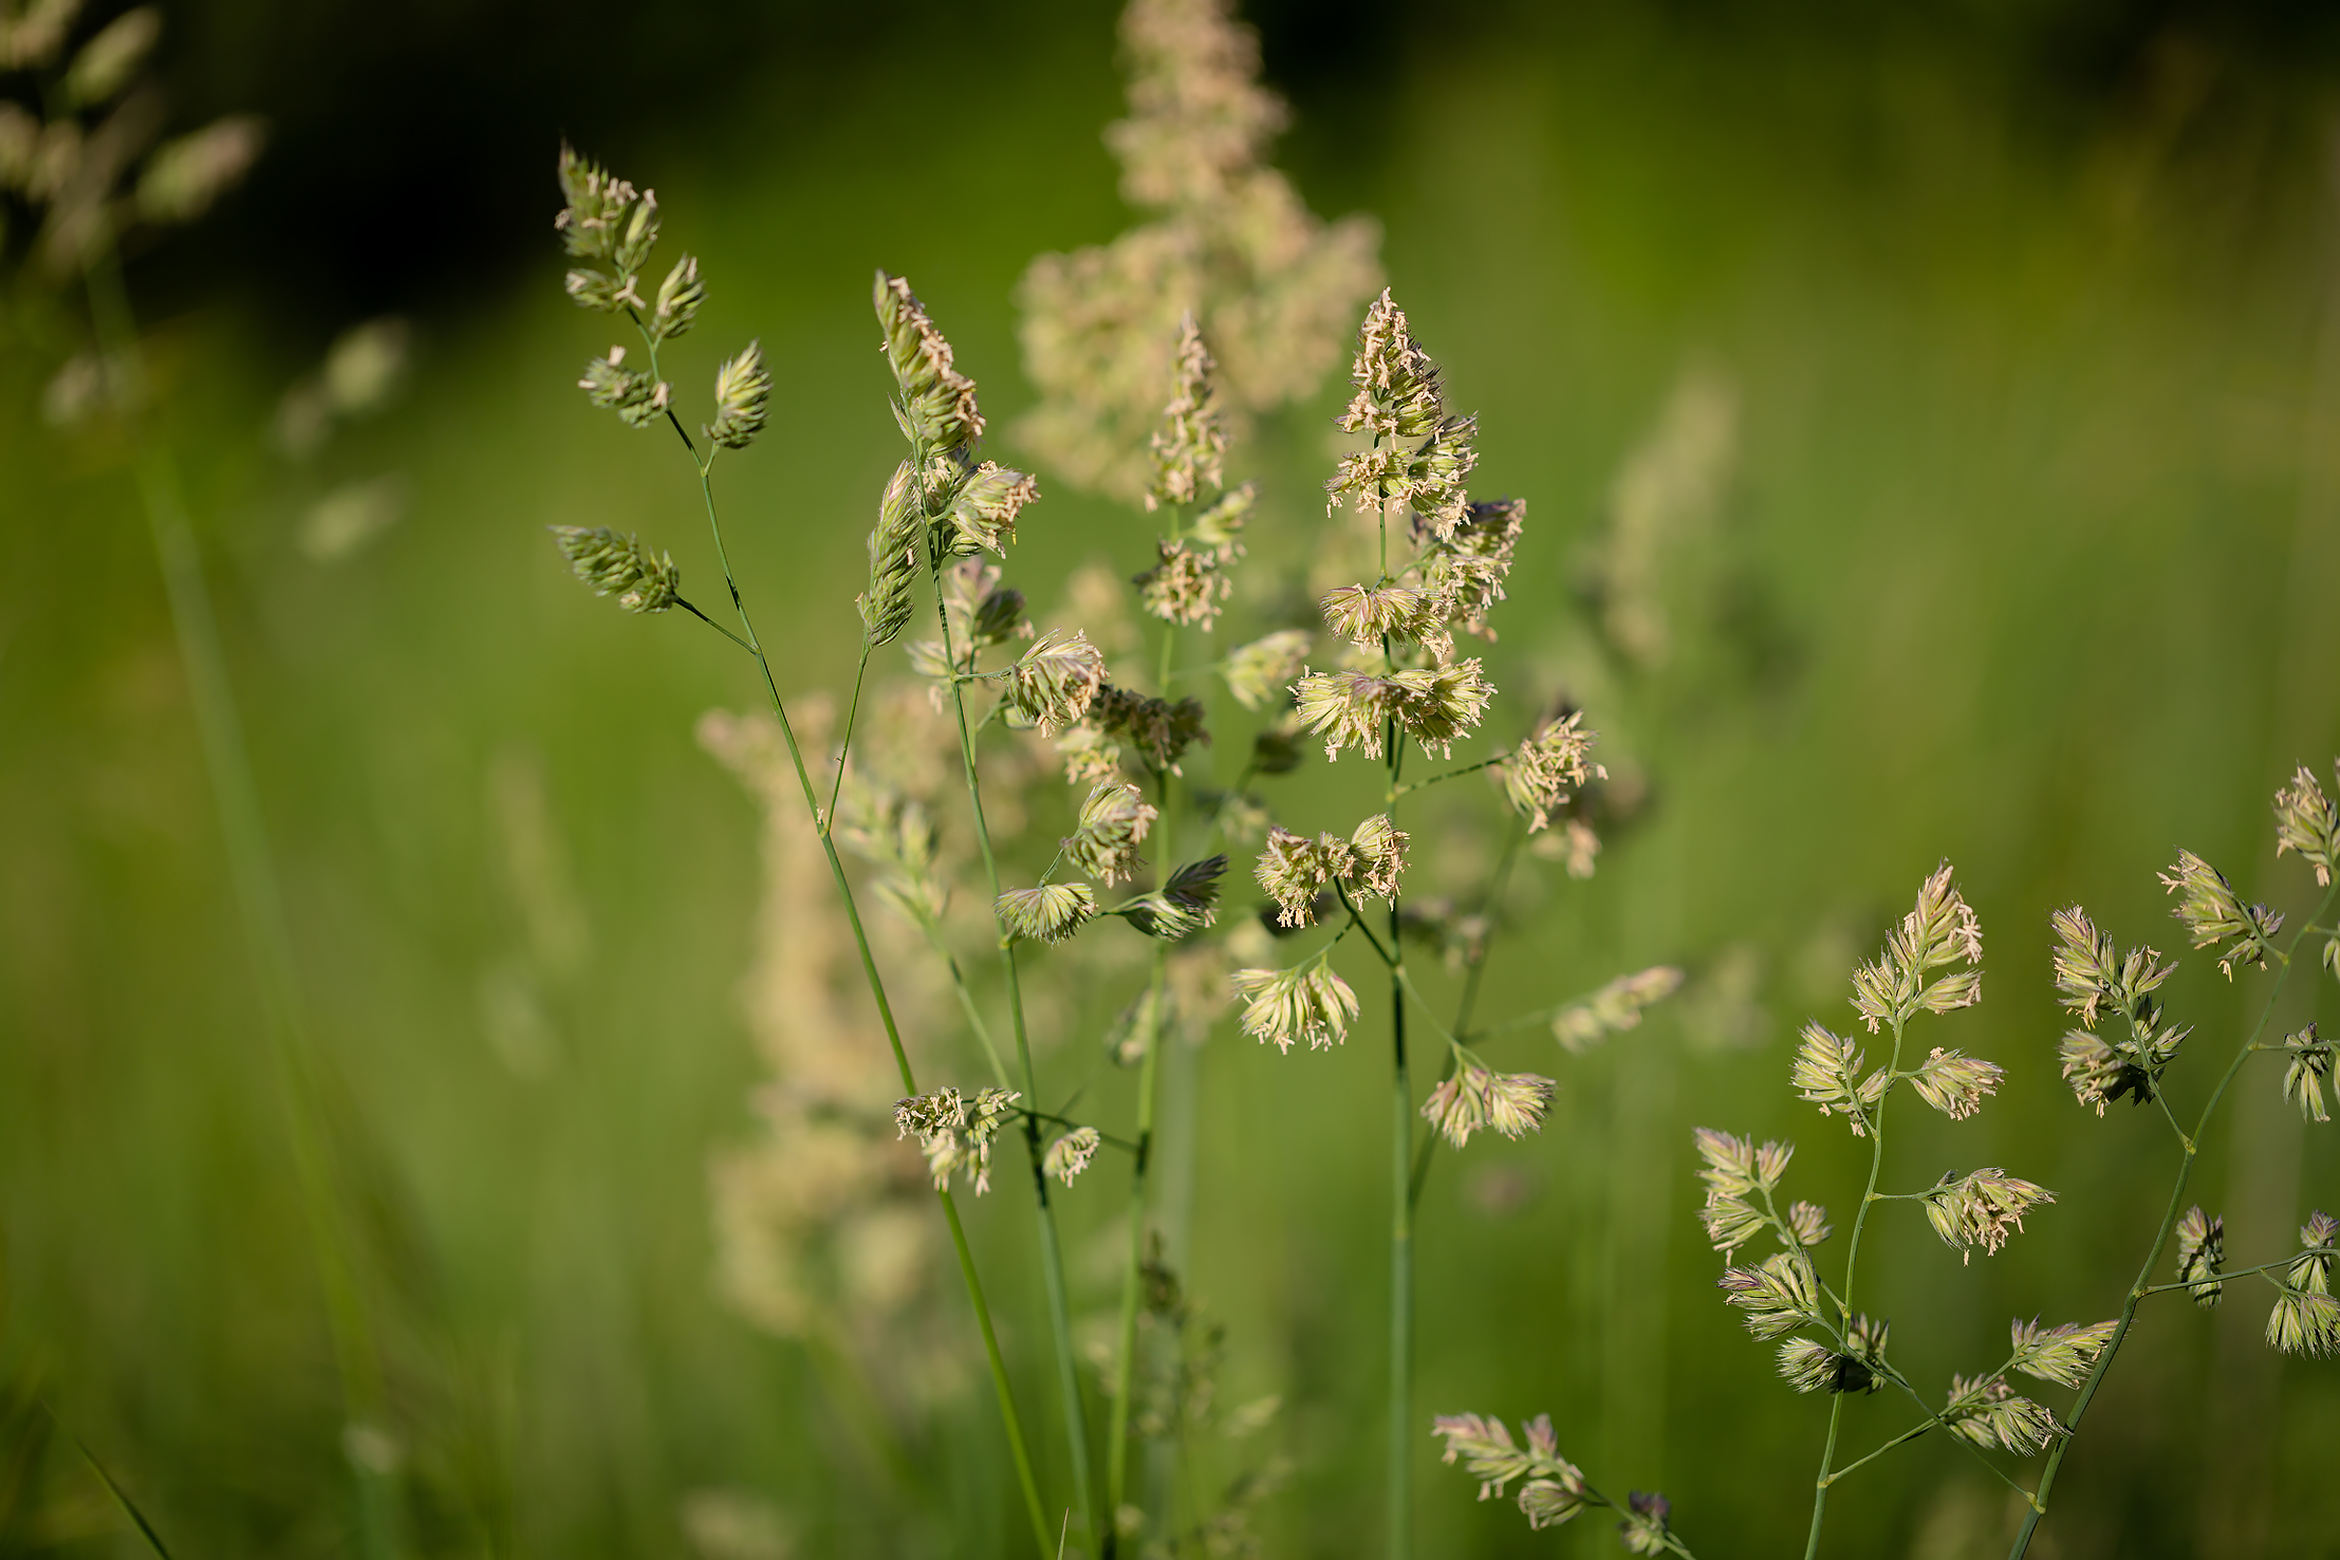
1616,1007
1070,1154
1553,1489
1433,705
1954,1083
2213,912
2307,1069
607,220
1986,1411
1538,774
1827,1072
1184,586
2201,1252
894,559
676,307
1737,1172
1777,1296
2064,1355
1981,1208
1050,913
937,406
743,386
1366,616
1476,1096
1190,445
1113,823
955,1133
1940,931
1465,569
1420,456
1185,904
1308,1002
1050,686
2094,978
1642,1529
1259,671
2307,821
638,398
2306,1317
1228,243
1160,729
620,566
1295,870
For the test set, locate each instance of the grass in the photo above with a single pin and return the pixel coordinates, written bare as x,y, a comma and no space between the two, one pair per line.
2026,419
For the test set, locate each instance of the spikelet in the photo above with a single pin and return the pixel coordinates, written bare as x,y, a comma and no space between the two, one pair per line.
1954,1083
1185,904
1050,913
1554,1490
1642,1528
2309,1068
2201,1252
1113,823
1538,773
1986,1411
2212,913
1776,1297
894,560
1190,443
743,390
639,399
2064,1355
1308,1002
620,566
1477,1096
1981,1208
2308,822
1615,1008
1184,586
1070,1154
1262,669
1052,684
937,405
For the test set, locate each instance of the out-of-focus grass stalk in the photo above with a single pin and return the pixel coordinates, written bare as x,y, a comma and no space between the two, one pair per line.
1149,1074
227,762
2190,1146
1076,1427
822,820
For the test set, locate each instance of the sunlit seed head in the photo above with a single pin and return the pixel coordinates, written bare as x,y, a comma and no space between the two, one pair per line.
620,567
1260,671
1070,1154
1052,684
1982,1209
2307,821
1049,913
1539,774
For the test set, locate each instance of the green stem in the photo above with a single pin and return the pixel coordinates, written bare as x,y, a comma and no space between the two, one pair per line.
1401,1227
1132,1273
1451,774
252,874
2189,1150
1469,1002
1852,1259
845,744
1051,1256
1906,1436
1050,1549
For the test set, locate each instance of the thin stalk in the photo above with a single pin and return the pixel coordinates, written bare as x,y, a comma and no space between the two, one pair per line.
1906,1436
1469,1002
845,743
1852,1259
260,906
2189,1149
1011,1420
113,1487
1133,1266
999,1383
1068,1379
1452,774
1401,1226
1132,1273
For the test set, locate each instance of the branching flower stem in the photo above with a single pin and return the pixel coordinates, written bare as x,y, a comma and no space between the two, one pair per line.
1469,1001
260,905
1852,1259
1018,1449
1401,1227
1051,1255
2189,1147
1424,784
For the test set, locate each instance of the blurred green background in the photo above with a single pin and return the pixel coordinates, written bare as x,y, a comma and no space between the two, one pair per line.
2028,561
